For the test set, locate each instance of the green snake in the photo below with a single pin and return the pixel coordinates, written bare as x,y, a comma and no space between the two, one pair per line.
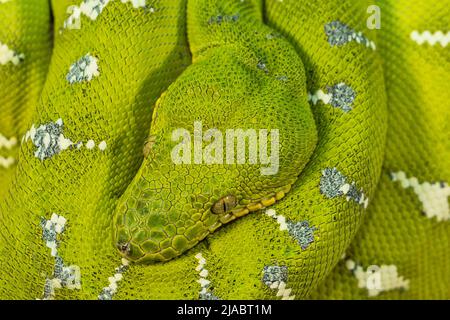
94,205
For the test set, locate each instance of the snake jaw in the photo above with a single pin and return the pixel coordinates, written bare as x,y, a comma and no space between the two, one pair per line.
148,251
254,206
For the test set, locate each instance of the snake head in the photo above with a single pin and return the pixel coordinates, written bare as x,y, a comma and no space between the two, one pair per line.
229,137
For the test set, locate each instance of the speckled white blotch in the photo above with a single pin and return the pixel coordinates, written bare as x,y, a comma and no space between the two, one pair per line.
90,144
319,95
204,293
102,145
63,276
92,9
433,196
109,291
281,220
432,39
57,143
9,56
282,291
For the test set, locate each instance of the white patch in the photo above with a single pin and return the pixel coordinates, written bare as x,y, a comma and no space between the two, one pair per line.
136,3
377,279
340,34
334,184
281,220
51,228
283,291
350,264
4,1
319,95
300,231
50,140
434,196
102,145
7,162
204,293
340,96
92,9
345,188
109,291
85,69
275,278
90,144
432,39
63,276
7,55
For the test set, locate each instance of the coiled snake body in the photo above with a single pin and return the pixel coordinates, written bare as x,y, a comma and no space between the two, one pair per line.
95,179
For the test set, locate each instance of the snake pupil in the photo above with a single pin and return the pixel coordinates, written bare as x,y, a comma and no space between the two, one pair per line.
224,204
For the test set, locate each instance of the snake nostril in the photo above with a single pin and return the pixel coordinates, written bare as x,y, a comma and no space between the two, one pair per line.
124,248
224,204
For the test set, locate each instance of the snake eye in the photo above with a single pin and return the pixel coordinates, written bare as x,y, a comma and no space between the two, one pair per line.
224,204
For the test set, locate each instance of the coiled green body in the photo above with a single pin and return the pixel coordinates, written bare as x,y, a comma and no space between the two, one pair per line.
129,74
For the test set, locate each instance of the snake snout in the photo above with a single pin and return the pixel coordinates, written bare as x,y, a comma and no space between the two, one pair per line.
161,235
161,239
149,236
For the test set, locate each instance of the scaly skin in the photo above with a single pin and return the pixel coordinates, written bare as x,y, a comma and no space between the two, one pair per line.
167,208
24,28
83,185
140,54
397,230
353,142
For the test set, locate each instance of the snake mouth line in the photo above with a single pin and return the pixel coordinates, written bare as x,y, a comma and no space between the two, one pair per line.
224,218
253,206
